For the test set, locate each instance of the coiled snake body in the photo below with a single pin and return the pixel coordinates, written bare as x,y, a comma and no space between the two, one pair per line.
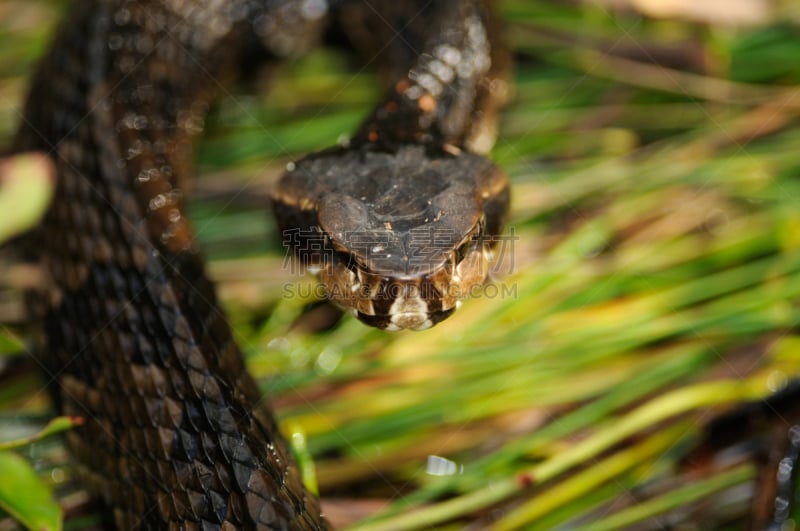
133,337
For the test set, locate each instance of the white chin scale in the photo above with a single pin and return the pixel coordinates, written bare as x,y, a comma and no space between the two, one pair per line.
409,313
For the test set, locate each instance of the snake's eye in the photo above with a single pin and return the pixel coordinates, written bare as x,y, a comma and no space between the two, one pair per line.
350,263
461,250
326,240
480,232
475,238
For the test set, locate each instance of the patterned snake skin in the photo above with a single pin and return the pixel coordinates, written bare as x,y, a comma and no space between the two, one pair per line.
176,435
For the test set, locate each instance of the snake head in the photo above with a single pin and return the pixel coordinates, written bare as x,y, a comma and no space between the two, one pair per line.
402,236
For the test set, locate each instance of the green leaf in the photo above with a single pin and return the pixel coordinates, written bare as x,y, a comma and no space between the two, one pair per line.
10,344
26,187
299,447
25,497
55,425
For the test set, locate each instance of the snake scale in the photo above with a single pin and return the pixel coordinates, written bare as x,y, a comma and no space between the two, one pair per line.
133,338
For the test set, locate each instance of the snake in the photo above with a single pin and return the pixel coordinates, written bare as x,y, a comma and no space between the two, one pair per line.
399,221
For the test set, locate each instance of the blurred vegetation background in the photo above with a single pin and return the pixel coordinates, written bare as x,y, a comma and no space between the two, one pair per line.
652,283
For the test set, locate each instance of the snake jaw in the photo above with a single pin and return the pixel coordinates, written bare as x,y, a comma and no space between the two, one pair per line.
393,302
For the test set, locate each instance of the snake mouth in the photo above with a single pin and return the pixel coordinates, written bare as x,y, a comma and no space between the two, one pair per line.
413,302
405,321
